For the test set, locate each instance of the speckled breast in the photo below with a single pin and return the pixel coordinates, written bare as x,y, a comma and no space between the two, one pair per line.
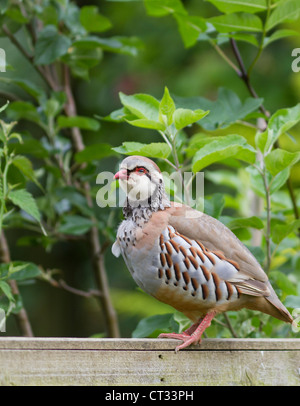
182,272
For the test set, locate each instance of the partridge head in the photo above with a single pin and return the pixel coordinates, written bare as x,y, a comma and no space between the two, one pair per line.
186,258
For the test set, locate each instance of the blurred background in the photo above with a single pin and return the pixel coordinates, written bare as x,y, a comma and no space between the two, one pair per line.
162,61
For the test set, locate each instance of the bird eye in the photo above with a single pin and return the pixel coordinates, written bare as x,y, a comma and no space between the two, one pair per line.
141,170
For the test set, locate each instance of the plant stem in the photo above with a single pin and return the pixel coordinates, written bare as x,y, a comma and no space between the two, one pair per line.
179,171
224,56
268,230
261,47
229,325
21,317
4,185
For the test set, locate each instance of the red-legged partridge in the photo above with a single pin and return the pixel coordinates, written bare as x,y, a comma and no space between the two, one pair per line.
185,258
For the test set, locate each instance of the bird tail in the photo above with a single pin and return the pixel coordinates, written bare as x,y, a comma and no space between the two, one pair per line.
278,309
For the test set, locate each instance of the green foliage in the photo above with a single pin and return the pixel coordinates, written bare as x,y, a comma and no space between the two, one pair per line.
50,45
154,150
255,152
227,109
45,172
234,6
49,160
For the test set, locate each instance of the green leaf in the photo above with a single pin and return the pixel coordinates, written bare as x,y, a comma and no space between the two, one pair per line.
6,290
166,108
292,301
50,45
252,222
85,123
227,109
236,22
286,10
2,108
164,7
182,321
142,106
15,14
121,45
279,180
280,159
184,117
279,34
279,123
75,225
51,107
224,177
92,20
152,326
29,146
94,152
69,14
75,199
48,15
227,146
284,119
283,282
144,123
154,150
257,252
81,60
234,6
25,84
24,270
190,27
25,201
19,109
15,136
214,205
25,166
240,36
281,231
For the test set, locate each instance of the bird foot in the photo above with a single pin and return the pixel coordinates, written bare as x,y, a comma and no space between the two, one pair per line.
187,339
191,335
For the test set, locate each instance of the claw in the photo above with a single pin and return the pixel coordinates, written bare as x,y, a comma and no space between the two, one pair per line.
187,339
191,335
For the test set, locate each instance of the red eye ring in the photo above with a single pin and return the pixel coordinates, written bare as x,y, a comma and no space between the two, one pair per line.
140,170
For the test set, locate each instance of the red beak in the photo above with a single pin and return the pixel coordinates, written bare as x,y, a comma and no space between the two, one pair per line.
122,174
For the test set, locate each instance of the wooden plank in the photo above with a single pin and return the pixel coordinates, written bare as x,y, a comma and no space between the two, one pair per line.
77,361
147,343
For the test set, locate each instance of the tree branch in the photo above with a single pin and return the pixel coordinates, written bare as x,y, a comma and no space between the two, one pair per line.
63,285
244,75
97,253
46,77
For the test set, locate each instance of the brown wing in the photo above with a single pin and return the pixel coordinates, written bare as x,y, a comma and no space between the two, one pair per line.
216,237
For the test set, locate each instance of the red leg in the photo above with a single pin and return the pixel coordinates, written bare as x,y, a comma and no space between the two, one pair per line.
185,333
193,327
193,334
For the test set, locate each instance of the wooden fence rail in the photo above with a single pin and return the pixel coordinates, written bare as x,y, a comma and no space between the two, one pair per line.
79,361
